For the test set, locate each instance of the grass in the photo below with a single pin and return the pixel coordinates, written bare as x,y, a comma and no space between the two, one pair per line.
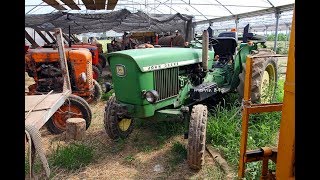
224,132
106,96
72,156
178,154
37,166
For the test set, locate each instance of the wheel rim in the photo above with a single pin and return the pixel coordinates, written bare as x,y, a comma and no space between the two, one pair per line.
60,117
267,84
124,124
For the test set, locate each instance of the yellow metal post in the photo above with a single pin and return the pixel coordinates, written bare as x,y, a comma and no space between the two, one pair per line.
245,117
286,144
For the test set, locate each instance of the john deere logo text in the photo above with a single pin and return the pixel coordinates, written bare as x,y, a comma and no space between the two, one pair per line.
160,66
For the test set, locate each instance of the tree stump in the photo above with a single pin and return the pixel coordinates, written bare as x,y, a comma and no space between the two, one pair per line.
76,128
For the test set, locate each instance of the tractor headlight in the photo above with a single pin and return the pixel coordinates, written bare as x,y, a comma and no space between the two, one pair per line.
83,77
151,96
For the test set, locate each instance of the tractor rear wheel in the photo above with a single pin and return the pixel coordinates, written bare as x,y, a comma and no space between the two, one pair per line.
96,72
197,136
115,126
73,107
264,77
102,60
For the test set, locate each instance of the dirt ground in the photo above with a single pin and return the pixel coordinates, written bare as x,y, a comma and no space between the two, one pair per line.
140,156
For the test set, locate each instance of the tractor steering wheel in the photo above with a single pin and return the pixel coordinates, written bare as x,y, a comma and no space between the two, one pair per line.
213,41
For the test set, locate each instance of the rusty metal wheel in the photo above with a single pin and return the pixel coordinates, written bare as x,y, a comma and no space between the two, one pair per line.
73,107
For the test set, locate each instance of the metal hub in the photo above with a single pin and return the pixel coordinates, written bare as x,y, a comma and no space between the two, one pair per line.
124,124
267,84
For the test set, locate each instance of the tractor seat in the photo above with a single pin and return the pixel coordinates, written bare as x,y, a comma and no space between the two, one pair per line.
226,48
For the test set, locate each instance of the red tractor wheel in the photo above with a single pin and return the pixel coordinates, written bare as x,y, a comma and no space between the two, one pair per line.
73,107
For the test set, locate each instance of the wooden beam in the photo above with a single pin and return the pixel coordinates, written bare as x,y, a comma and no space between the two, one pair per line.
100,4
51,36
111,4
42,36
89,4
54,4
71,4
29,38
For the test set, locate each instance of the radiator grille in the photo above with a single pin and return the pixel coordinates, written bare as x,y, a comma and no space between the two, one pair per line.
89,73
166,82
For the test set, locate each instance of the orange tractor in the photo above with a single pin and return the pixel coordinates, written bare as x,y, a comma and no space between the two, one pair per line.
96,65
101,59
43,65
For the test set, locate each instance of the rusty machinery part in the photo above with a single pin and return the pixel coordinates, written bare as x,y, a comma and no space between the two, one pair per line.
102,60
96,72
264,76
34,140
116,123
73,107
96,93
172,41
197,136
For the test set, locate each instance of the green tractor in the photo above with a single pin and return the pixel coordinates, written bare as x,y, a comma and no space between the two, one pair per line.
164,83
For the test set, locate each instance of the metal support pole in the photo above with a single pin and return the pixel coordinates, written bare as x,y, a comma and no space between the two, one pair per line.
69,36
276,32
236,22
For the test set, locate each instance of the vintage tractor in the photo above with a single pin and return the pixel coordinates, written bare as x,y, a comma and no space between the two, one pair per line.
166,83
43,65
96,66
101,58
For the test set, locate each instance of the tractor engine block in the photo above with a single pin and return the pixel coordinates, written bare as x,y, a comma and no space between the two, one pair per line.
49,78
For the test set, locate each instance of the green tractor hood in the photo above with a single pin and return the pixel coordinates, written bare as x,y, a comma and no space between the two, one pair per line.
150,59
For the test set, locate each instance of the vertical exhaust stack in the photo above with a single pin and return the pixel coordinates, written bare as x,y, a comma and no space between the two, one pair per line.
205,47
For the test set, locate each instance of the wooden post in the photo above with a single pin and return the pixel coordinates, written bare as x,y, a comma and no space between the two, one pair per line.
76,128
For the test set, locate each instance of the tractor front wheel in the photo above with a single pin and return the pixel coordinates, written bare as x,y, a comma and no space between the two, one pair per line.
115,126
264,77
97,92
73,107
197,136
96,72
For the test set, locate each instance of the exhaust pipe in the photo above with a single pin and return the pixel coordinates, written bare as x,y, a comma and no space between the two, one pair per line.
205,47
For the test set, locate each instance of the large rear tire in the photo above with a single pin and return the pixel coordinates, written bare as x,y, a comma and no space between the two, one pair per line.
73,107
115,126
197,136
264,77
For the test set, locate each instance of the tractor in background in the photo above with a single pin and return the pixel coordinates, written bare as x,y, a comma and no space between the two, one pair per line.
43,65
176,83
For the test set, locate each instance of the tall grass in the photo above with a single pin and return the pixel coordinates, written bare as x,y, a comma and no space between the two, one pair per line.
224,131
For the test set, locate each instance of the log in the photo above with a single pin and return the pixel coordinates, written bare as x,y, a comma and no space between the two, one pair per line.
75,129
